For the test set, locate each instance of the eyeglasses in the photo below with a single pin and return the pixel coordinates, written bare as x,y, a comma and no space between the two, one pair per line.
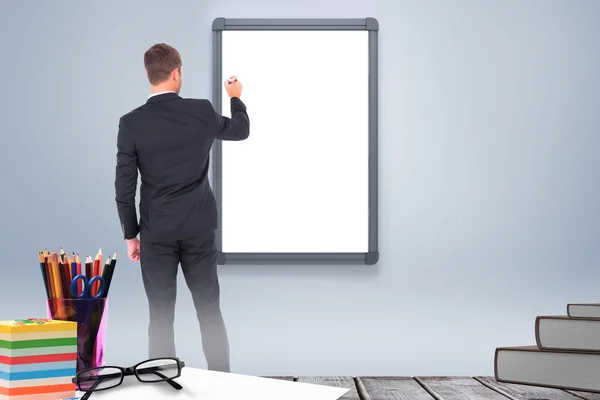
150,371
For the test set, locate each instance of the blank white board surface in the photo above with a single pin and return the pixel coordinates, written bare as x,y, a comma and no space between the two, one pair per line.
300,184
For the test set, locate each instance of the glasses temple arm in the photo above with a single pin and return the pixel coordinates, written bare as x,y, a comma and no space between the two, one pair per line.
171,382
154,370
89,392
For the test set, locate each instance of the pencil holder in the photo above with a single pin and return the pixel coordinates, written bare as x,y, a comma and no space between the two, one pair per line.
91,315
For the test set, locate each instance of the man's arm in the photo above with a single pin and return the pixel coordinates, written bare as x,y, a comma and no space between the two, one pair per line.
126,182
235,128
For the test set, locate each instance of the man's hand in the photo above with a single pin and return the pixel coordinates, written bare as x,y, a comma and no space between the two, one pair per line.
133,249
233,87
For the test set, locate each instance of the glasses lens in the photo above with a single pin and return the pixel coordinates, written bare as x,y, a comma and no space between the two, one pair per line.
98,379
158,370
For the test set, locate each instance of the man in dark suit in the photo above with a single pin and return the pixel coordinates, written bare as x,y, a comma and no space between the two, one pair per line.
168,141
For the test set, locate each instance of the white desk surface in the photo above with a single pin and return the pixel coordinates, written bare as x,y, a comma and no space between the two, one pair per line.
211,385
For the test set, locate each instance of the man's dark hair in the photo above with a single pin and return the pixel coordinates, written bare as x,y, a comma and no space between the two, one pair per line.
160,60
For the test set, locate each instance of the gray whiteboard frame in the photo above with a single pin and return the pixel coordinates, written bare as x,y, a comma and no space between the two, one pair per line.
372,26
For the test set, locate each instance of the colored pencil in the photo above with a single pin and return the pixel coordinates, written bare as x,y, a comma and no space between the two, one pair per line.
58,287
106,268
50,275
72,267
59,276
109,274
70,270
50,278
44,273
105,272
78,266
88,267
96,272
55,276
57,265
47,280
60,273
64,264
99,272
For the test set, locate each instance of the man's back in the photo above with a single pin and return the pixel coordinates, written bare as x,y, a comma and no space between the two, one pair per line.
170,139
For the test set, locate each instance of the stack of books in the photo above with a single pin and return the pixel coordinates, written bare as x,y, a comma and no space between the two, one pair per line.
38,359
567,355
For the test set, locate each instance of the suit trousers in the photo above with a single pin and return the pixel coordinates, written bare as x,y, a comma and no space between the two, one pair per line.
198,259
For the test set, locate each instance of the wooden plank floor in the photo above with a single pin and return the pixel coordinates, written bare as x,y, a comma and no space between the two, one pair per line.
438,388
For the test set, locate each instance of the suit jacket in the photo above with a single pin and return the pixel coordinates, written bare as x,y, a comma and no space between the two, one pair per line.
168,140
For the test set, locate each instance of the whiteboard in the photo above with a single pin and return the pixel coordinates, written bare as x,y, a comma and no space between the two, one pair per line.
301,188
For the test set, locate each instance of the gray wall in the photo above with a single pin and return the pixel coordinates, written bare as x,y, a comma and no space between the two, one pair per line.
489,179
